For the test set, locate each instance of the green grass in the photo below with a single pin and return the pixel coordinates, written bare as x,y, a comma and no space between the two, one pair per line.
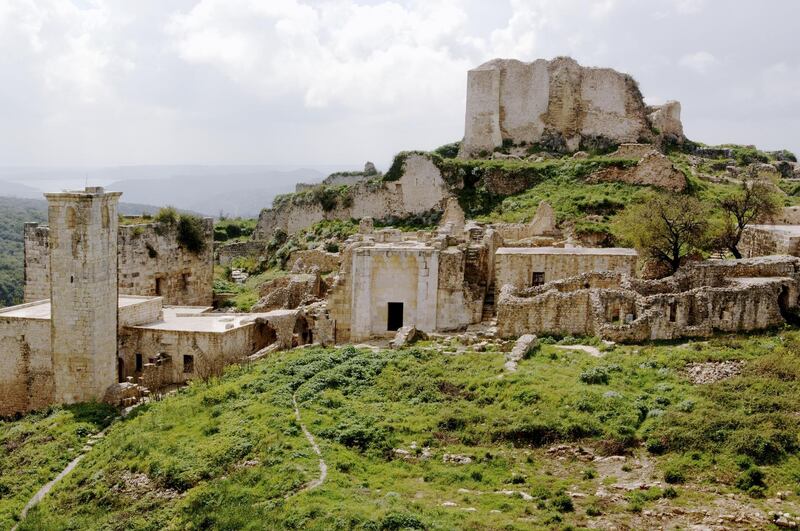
37,447
247,293
231,230
230,451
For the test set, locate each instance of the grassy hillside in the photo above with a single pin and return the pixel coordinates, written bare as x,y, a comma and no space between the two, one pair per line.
230,454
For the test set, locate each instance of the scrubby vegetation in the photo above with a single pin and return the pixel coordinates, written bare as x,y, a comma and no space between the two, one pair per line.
230,230
225,454
14,213
188,228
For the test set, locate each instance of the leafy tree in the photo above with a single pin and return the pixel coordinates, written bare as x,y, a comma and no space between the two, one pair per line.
755,200
665,227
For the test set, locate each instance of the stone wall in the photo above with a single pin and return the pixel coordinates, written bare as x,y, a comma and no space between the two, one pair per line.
309,258
765,240
702,299
151,262
419,190
26,365
37,262
515,266
557,103
228,252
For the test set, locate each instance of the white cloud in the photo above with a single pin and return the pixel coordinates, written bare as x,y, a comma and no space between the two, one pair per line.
368,57
321,81
700,62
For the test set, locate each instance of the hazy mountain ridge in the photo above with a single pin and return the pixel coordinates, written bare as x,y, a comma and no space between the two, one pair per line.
237,190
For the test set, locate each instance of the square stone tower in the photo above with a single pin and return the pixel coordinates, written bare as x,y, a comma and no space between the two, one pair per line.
83,292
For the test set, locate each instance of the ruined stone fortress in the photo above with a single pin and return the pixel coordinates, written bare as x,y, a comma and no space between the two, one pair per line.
86,341
115,312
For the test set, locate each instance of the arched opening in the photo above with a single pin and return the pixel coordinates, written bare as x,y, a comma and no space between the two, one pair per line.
264,335
302,334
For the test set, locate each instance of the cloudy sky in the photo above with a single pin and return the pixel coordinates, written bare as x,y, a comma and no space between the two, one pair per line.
125,82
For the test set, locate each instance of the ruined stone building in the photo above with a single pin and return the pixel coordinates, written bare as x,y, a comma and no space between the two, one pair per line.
559,104
83,340
419,190
151,262
701,299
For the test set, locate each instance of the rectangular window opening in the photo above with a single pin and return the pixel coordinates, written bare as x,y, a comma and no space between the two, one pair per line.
537,279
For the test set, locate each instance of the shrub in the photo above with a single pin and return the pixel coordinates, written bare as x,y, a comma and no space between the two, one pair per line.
397,521
595,375
593,510
167,215
674,476
562,503
448,151
752,477
191,233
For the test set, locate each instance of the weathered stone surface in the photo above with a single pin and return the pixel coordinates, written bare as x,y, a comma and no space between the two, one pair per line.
151,262
228,252
557,103
453,215
703,298
324,261
654,169
420,190
407,335
632,151
290,292
524,344
666,119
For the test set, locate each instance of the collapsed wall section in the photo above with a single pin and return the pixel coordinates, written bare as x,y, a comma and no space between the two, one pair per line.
419,190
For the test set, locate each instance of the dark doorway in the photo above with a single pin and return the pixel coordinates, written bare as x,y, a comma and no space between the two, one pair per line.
395,320
120,370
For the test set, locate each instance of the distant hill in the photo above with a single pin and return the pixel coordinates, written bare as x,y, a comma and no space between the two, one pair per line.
235,190
236,194
14,213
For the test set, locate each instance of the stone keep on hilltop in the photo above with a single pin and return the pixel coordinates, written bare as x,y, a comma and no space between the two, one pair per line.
561,106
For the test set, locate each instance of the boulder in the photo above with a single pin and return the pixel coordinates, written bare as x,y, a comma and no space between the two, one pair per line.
407,335
525,344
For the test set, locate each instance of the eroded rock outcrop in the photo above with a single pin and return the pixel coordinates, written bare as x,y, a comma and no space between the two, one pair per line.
560,105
